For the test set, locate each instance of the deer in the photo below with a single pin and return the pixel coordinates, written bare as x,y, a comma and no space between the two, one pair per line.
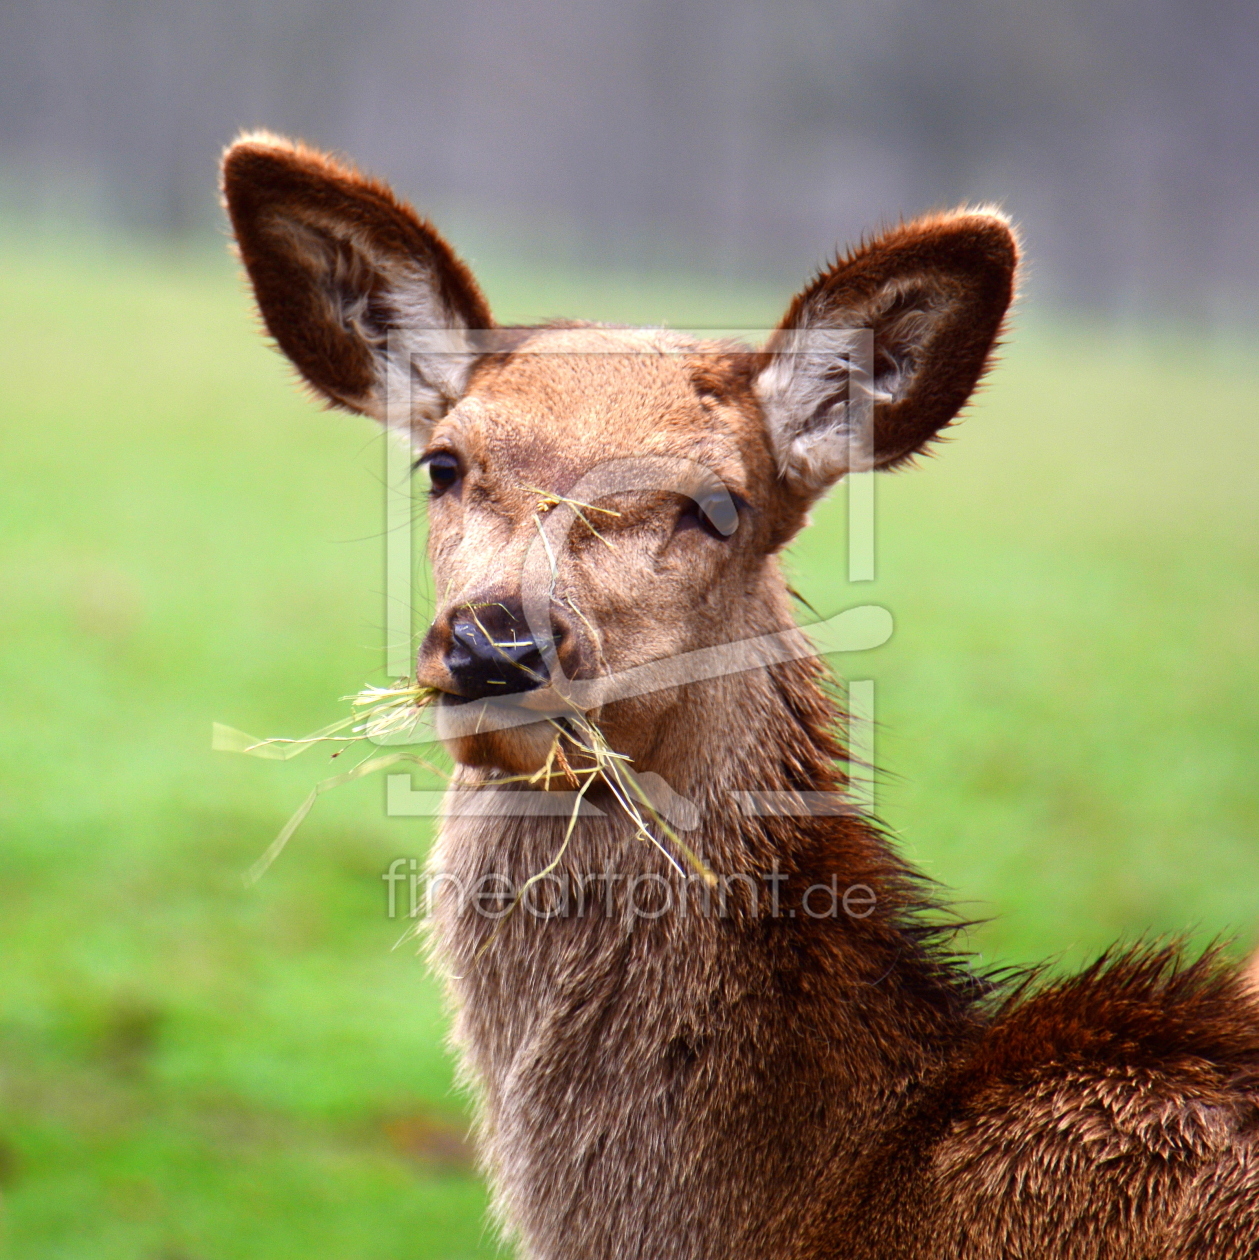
736,1083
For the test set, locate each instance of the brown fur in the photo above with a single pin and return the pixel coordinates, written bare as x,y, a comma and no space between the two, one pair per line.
930,267
297,215
738,1084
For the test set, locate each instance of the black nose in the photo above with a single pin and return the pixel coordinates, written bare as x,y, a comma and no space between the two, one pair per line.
492,653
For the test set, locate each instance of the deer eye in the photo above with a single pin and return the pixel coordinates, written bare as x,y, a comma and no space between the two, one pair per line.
717,514
443,470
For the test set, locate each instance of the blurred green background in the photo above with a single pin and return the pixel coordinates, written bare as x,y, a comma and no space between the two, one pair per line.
1069,714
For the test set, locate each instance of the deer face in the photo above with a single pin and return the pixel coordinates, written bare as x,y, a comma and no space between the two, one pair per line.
605,498
600,499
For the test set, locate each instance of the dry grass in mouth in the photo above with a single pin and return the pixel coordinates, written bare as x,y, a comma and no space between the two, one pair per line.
579,757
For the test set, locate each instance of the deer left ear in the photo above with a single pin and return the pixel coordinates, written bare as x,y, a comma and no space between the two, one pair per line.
367,300
933,293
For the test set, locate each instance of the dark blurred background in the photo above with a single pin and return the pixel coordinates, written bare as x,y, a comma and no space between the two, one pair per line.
738,137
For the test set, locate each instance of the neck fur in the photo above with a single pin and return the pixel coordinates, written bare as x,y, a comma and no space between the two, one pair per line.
668,1082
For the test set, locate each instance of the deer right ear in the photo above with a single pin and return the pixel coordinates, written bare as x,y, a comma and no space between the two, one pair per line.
919,310
365,298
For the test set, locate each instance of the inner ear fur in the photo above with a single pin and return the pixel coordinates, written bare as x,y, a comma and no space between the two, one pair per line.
337,264
934,293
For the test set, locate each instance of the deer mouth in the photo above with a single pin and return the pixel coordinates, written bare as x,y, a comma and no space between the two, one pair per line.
496,734
502,711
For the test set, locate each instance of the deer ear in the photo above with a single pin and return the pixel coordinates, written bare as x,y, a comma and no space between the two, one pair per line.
918,310
351,283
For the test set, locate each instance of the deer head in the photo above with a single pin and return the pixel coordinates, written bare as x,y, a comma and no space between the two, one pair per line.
602,497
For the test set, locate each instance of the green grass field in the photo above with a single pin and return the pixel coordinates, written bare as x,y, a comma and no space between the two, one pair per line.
1069,720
